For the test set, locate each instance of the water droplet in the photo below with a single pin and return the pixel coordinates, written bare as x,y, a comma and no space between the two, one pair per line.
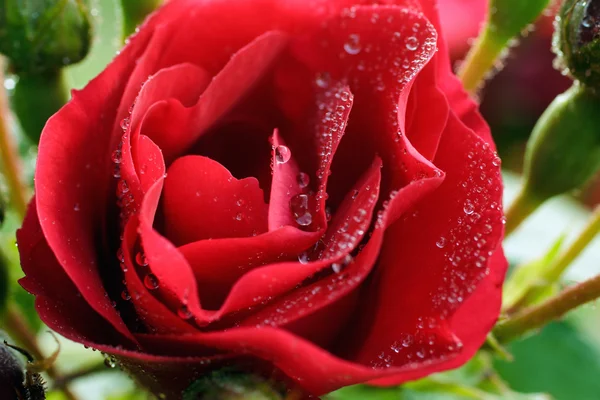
239,216
441,243
110,361
299,209
303,258
406,340
116,156
282,154
151,281
412,43
303,180
468,208
140,259
352,45
336,267
323,80
76,207
125,123
122,187
304,220
184,312
125,295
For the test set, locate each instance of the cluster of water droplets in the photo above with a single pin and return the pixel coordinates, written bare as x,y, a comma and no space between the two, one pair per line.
420,347
467,245
399,44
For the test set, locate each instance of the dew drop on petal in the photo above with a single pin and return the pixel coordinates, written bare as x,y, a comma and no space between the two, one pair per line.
125,295
468,208
151,281
323,80
140,259
352,45
412,43
303,180
184,312
282,154
441,243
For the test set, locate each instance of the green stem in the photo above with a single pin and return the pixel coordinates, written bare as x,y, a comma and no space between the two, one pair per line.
522,207
480,60
9,156
539,315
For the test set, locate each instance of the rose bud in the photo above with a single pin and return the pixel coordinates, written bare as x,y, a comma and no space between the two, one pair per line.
44,35
39,39
298,189
563,152
577,40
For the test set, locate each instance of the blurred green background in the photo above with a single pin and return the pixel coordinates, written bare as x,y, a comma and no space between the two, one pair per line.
563,360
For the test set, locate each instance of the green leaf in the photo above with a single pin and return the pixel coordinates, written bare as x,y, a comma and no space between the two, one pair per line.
558,361
530,275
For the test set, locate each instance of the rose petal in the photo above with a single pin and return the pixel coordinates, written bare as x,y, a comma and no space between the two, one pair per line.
366,54
175,127
217,264
202,200
284,186
72,182
155,316
57,297
447,260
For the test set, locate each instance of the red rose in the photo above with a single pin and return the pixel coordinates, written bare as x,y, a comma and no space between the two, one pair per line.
301,186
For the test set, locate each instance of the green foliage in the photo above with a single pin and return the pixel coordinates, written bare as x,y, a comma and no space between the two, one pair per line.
44,35
229,384
558,361
508,18
529,276
134,13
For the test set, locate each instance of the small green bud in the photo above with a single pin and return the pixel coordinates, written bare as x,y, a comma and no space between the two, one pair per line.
43,35
563,152
229,384
576,40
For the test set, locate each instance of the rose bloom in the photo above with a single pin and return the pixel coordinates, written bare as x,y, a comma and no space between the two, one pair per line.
299,189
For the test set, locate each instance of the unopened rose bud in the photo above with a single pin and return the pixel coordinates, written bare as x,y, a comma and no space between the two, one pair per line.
563,152
44,35
577,40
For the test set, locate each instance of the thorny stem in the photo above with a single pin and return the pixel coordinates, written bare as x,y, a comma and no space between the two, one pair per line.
539,315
